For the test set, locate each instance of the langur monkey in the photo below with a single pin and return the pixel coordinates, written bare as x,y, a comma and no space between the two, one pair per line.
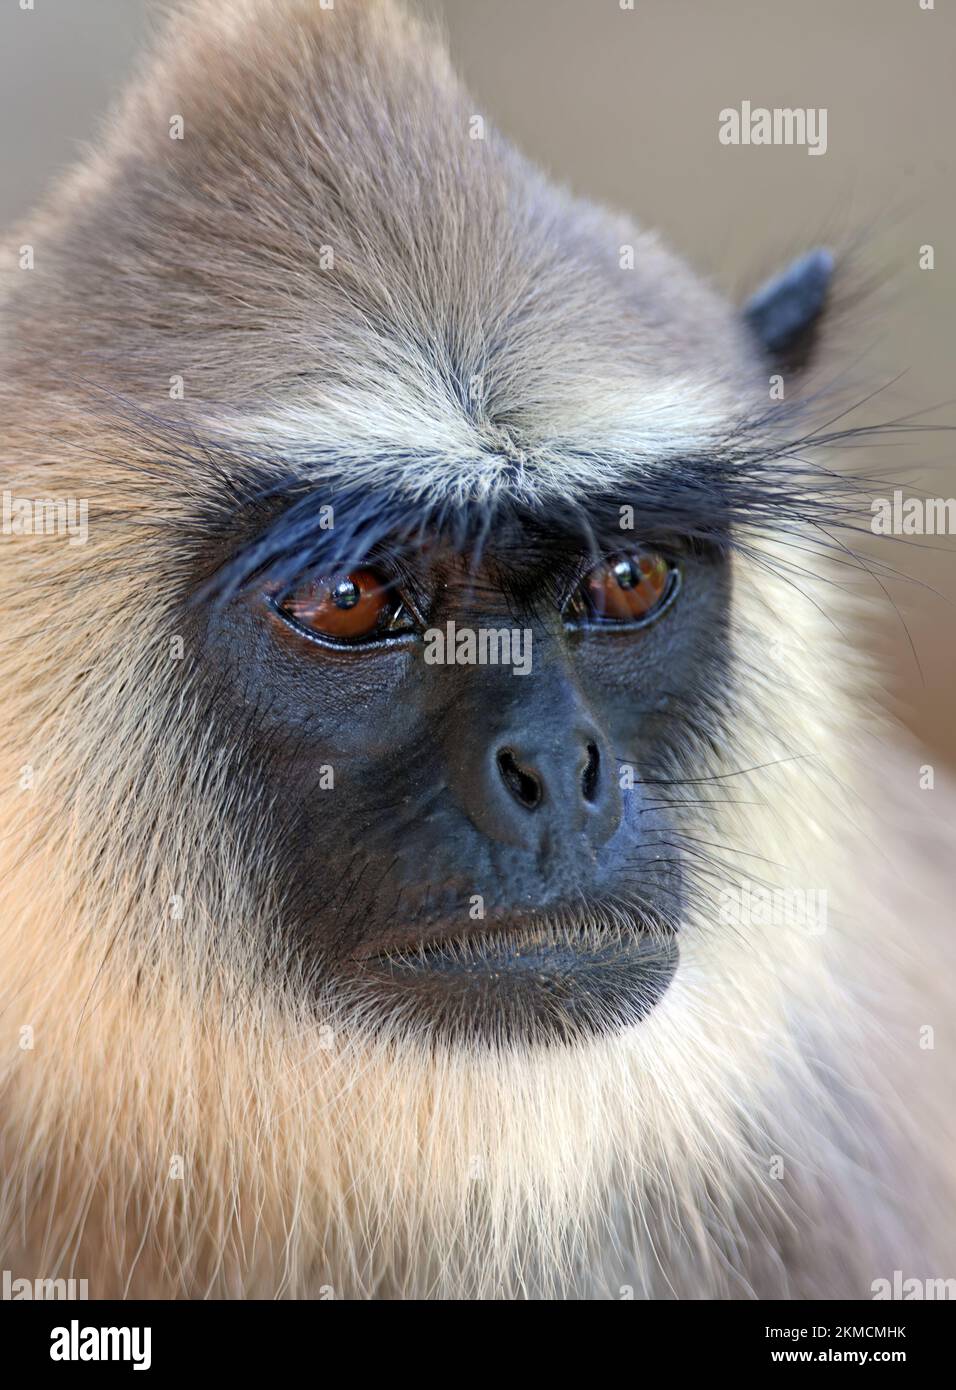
449,849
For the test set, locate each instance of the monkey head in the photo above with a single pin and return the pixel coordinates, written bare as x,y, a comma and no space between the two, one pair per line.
435,666
447,471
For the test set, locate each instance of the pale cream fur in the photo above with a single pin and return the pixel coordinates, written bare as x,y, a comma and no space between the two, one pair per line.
314,1157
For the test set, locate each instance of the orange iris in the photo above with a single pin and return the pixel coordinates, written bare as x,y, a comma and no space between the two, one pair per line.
348,607
629,587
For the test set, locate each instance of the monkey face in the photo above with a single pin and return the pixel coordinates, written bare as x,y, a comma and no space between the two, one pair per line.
444,664
441,520
467,750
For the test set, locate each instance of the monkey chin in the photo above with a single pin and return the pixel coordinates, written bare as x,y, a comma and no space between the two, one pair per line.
521,980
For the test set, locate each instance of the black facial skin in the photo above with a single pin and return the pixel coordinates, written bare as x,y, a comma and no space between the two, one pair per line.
452,781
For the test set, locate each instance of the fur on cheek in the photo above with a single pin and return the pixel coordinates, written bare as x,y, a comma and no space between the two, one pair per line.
171,1148
181,1125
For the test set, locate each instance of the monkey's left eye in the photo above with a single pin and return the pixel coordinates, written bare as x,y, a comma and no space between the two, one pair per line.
628,590
346,609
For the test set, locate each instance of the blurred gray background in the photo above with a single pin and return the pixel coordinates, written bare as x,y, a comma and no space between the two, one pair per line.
622,106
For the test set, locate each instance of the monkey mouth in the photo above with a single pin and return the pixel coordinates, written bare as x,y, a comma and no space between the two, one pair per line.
520,978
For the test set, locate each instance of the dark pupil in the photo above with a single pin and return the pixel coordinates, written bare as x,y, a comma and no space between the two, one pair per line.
346,594
624,573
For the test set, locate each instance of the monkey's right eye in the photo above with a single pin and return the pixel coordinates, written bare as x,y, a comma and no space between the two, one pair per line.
629,590
345,609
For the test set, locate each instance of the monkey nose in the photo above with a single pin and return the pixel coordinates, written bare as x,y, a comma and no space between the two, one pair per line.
568,784
523,783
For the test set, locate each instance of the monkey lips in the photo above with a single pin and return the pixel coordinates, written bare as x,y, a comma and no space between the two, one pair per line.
528,978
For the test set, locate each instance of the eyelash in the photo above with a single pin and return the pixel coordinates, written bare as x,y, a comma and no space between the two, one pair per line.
379,636
591,621
368,607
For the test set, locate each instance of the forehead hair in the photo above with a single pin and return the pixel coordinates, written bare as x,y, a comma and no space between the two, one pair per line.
341,247
254,511
372,300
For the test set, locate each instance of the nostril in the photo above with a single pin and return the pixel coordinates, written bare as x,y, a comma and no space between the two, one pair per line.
523,785
589,777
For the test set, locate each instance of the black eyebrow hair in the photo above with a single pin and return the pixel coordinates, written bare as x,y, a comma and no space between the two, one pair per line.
332,524
263,516
717,500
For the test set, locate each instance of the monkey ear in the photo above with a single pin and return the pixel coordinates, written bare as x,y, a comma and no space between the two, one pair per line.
785,313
